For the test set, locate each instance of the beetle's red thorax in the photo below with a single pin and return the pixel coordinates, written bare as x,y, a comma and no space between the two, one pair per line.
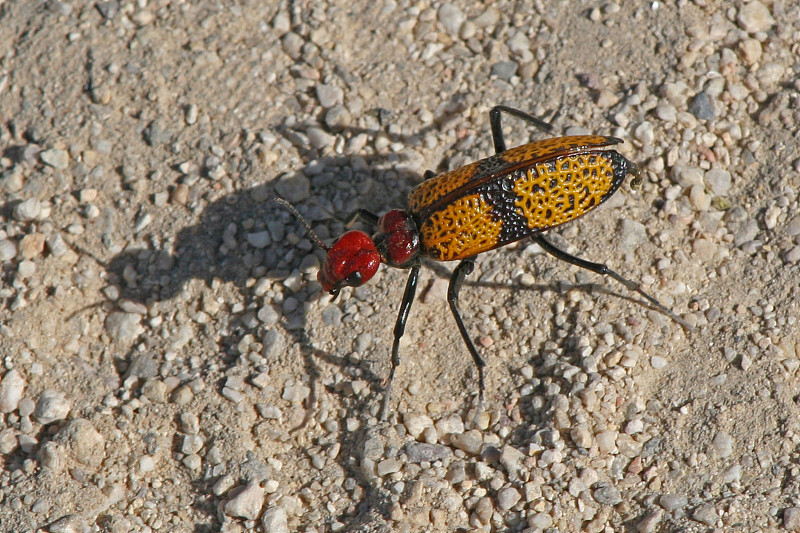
397,239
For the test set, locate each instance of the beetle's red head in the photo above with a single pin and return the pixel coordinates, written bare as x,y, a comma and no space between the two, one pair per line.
352,261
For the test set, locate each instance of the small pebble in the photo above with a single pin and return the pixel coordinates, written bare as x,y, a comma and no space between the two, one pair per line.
274,520
511,459
146,464
451,18
52,406
389,466
706,514
732,475
274,344
633,234
55,158
722,444
671,502
658,362
295,392
469,442
793,255
450,424
12,388
193,462
581,436
52,455
192,444
123,327
281,23
259,239
319,138
28,210
504,70
86,444
508,498
415,424
701,106
31,245
540,521
606,441
791,518
295,189
247,503
484,510
329,95
192,113
8,250
332,315
607,494
26,269
719,181
755,17
650,522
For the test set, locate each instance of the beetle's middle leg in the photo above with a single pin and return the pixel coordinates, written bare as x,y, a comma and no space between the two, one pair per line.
463,269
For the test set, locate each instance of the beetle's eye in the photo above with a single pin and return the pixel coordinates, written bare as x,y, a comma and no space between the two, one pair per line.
354,279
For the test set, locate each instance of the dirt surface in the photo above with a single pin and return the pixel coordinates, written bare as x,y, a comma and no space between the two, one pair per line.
170,362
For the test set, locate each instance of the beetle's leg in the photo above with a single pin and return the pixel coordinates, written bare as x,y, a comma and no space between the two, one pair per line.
365,215
463,269
602,269
428,174
497,129
399,329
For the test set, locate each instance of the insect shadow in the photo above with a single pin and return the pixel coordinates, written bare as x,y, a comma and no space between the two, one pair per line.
216,249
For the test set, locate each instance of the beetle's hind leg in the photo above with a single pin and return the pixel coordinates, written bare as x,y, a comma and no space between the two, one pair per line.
602,269
497,128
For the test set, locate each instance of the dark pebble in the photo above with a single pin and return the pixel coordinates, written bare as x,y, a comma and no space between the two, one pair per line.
606,494
504,69
418,452
702,107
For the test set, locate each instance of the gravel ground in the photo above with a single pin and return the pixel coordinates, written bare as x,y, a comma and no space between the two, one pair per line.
171,364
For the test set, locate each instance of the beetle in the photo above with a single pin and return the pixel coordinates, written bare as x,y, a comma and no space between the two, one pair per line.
454,216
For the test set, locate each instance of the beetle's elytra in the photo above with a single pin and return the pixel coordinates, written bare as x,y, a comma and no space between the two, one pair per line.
516,193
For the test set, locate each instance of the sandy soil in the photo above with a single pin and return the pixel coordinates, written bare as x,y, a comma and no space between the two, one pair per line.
170,362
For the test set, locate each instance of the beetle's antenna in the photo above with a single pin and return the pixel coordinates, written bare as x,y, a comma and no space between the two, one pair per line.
310,232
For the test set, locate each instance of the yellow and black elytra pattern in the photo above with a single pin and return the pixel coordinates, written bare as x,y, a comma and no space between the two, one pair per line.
512,195
442,188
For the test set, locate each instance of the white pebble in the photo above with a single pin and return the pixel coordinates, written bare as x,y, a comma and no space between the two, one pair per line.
755,17
607,441
723,444
11,389
247,503
55,158
719,181
192,444
52,406
28,210
415,424
8,250
274,520
508,498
